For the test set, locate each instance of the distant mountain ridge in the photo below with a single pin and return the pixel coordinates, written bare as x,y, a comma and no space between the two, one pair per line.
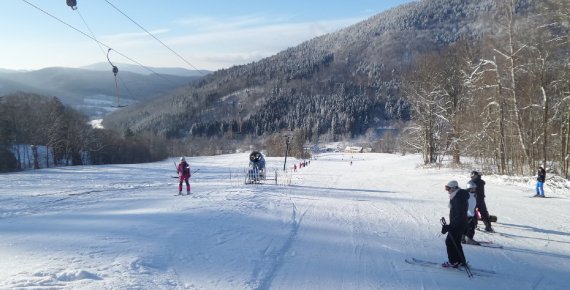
74,86
175,71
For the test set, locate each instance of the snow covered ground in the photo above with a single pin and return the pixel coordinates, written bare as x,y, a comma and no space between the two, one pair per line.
336,226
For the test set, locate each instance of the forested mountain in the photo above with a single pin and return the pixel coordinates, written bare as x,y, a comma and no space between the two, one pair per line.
339,84
501,63
486,79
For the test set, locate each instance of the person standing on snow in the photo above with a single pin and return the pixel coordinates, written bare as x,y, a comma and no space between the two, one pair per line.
184,174
480,196
471,218
540,182
457,223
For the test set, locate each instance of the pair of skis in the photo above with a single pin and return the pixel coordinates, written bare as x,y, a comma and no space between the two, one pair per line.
487,244
435,265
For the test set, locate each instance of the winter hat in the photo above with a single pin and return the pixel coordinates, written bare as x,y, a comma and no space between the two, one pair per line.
182,158
471,184
453,184
474,173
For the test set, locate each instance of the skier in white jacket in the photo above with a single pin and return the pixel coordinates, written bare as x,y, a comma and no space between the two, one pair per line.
471,218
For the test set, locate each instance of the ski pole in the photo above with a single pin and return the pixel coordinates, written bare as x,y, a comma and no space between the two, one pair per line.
175,166
467,269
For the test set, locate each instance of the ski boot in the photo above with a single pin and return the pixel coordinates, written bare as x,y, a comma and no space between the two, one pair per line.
470,241
451,265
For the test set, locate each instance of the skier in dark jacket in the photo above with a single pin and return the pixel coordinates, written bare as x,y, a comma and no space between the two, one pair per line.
458,199
481,206
541,177
184,174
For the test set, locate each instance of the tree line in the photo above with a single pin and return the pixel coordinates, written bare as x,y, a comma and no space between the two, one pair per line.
503,99
39,121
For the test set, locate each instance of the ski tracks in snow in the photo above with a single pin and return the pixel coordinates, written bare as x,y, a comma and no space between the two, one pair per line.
265,271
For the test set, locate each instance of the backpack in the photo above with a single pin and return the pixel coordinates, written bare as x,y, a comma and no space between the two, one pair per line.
185,169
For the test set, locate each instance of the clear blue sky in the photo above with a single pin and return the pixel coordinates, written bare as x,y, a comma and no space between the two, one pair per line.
208,34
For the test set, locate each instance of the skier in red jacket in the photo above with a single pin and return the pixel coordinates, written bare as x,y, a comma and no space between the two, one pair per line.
184,174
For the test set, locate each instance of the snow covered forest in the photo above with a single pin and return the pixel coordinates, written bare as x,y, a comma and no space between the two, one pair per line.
487,79
482,79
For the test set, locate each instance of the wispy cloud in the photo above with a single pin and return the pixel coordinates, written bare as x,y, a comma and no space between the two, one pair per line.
208,24
213,43
239,42
133,35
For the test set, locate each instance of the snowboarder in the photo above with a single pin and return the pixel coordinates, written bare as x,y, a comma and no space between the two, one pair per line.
480,196
471,218
184,174
541,177
457,223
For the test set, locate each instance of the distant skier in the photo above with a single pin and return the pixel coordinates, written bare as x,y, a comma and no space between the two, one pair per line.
481,206
184,174
540,179
457,223
471,218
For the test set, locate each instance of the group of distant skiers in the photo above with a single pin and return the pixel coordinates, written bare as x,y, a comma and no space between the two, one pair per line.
302,164
463,207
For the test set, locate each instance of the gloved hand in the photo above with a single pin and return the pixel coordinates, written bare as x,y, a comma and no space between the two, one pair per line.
444,229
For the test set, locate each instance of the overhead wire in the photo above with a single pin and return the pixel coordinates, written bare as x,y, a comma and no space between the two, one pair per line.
94,39
91,31
103,52
156,38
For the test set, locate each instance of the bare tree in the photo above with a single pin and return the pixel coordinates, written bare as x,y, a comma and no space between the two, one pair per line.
426,97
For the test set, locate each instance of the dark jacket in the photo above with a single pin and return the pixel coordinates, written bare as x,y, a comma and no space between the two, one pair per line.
458,211
541,175
480,187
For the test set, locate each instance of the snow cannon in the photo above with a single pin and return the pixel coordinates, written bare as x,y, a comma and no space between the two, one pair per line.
256,172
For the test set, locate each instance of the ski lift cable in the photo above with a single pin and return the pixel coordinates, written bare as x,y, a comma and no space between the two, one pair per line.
92,38
103,52
90,31
152,35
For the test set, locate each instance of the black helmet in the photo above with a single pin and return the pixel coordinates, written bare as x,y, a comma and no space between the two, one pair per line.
474,173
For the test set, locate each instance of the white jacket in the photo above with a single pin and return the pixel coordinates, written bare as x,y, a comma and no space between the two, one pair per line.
471,206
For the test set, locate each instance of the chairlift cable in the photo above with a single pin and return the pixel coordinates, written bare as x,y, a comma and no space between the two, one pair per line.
152,35
103,51
92,38
91,31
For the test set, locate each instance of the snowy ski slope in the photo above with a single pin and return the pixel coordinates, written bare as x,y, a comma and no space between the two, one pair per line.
337,226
